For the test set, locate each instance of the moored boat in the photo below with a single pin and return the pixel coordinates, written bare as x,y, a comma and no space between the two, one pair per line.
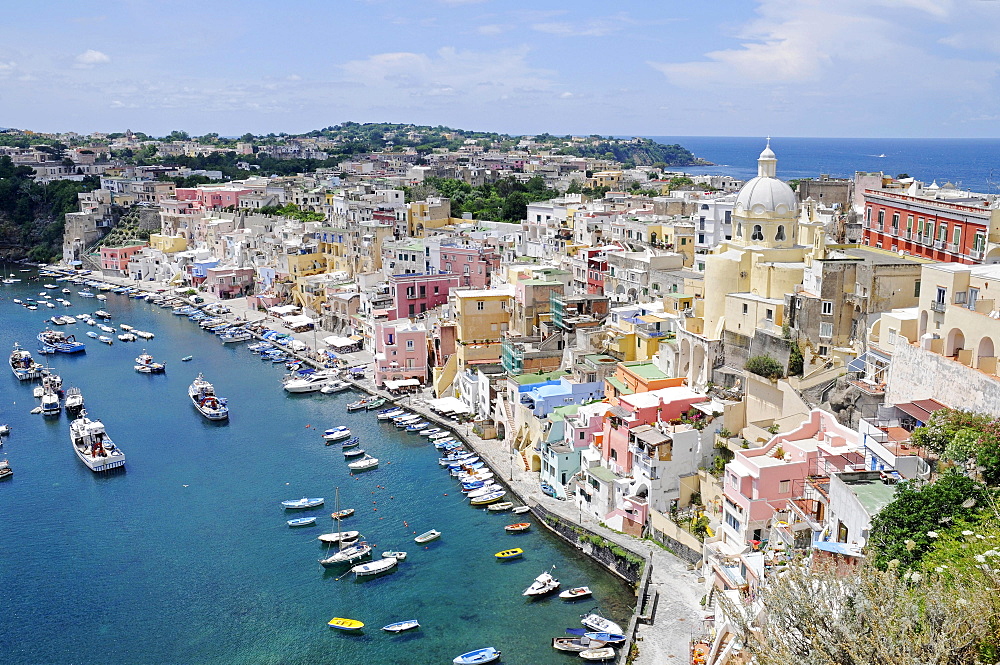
394,554
299,504
342,514
339,537
575,644
599,624
427,536
23,365
340,623
337,433
375,403
607,638
375,567
484,655
602,653
61,342
517,528
542,585
365,463
513,553
202,394
5,470
354,452
144,364
575,592
500,507
93,446
302,521
520,509
360,404
485,499
334,386
347,554
389,413
400,626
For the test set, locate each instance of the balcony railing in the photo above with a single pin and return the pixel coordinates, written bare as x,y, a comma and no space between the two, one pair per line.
939,244
938,306
976,254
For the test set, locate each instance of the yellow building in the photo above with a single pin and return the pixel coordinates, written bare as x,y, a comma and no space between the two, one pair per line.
168,244
430,214
612,179
483,316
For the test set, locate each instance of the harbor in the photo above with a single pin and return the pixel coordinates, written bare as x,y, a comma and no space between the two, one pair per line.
194,528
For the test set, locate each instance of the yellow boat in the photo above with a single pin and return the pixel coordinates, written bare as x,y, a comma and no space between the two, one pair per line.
509,554
345,624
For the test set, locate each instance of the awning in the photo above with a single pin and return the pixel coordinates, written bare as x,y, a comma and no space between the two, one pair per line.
281,310
338,341
448,405
858,364
921,409
404,383
297,321
652,437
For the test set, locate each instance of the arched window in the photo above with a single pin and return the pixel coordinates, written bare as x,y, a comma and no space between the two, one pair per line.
780,235
739,229
757,234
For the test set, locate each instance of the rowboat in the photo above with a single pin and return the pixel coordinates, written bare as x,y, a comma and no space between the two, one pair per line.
517,528
484,655
574,644
520,509
509,554
400,626
350,443
575,592
499,507
374,567
604,653
345,624
341,514
492,497
388,414
393,554
302,521
427,536
299,504
354,452
609,638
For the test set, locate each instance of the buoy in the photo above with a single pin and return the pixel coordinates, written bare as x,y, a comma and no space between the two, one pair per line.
446,494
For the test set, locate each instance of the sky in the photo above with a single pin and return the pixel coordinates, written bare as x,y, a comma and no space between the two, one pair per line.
826,68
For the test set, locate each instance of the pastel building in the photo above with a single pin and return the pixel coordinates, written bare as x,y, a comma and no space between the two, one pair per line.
413,294
400,351
114,260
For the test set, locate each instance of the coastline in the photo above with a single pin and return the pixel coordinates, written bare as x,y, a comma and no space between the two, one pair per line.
667,614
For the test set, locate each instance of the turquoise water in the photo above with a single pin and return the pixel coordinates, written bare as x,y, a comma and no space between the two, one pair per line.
186,557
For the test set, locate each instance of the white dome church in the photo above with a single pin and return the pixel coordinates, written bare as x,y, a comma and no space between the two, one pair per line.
766,209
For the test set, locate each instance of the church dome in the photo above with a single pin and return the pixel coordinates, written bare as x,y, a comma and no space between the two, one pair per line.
765,195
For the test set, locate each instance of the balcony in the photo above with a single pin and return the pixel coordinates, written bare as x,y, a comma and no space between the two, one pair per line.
976,254
939,244
938,306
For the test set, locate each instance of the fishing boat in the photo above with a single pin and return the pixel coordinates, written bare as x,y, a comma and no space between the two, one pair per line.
517,528
607,638
337,433
400,626
235,336
144,364
390,413
5,470
339,537
60,341
365,463
335,386
23,365
500,507
374,567
484,655
50,403
401,556
602,653
357,406
202,394
575,592
350,443
548,490
93,446
86,293
300,504
505,555
342,514
485,499
302,521
599,624
347,625
543,584
427,536
375,403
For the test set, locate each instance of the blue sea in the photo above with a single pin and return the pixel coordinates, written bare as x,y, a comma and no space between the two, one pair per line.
186,558
972,164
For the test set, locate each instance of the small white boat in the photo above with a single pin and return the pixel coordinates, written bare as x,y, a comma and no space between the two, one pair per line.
105,339
374,567
299,504
520,509
400,626
575,592
427,536
337,433
542,585
363,464
401,556
354,452
599,624
210,405
389,414
302,521
603,653
334,386
500,507
477,657
339,537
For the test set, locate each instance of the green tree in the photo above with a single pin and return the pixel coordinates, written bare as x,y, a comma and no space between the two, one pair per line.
765,366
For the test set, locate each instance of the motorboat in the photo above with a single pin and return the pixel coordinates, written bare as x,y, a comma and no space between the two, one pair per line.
389,413
127,337
427,536
202,394
400,626
357,406
105,339
337,433
299,504
235,336
513,553
5,470
574,644
309,383
543,584
335,386
93,446
607,638
575,593
350,443
599,624
86,293
484,655
375,403
354,452
102,314
416,427
517,528
430,431
91,334
375,567
101,326
186,359
342,514
363,464
62,342
302,521
400,556
50,403
440,435
500,507
339,537
488,487
144,364
602,653
23,365
345,624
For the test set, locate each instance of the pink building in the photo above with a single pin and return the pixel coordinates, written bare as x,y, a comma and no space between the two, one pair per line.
400,351
414,294
229,282
213,197
639,409
116,258
760,481
473,265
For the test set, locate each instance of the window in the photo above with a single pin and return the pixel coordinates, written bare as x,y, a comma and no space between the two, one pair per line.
826,330
956,236
769,314
909,223
881,219
868,215
823,350
780,235
942,295
895,221
480,305
732,521
827,308
745,308
757,234
892,337
784,487
739,229
409,344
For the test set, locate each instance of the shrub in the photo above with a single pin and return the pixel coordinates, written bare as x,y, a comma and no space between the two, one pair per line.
765,366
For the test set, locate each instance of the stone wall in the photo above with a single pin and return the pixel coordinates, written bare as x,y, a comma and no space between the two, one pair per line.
919,374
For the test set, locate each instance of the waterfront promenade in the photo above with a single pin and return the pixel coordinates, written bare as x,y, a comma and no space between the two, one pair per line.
678,614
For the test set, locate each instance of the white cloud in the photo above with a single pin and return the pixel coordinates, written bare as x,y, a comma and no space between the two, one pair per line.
566,95
7,68
89,58
595,27
492,29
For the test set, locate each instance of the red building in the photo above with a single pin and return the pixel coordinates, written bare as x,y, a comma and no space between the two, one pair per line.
940,230
115,259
